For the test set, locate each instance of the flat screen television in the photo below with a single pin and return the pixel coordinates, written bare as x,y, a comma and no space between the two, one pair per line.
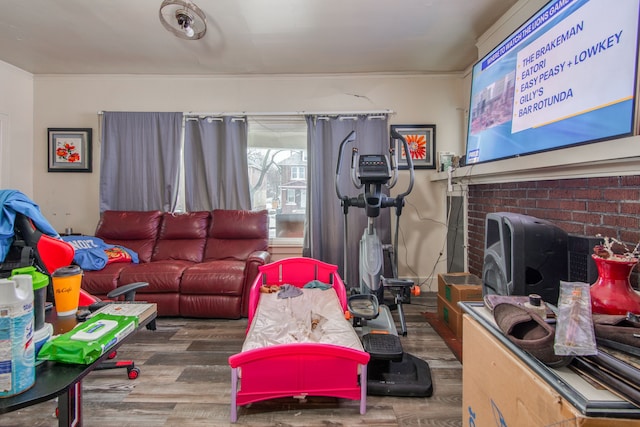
566,77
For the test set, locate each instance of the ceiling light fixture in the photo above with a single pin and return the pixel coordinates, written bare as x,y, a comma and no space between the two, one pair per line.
183,18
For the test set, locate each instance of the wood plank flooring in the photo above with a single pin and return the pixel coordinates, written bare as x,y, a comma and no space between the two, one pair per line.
185,381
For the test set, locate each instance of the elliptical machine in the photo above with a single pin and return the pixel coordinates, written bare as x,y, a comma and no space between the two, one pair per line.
392,372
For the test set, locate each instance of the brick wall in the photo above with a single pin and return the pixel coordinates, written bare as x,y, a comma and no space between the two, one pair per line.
609,206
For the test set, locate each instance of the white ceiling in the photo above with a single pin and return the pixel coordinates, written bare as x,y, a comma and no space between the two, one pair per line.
246,36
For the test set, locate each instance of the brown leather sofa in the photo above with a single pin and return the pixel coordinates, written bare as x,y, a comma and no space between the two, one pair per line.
197,264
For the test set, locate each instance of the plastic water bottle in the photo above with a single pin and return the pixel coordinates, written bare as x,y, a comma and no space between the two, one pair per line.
17,347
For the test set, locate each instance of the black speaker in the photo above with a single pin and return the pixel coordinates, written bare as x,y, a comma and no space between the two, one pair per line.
523,255
582,268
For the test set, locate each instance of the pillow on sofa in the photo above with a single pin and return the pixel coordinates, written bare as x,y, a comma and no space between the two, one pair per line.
239,224
92,253
235,234
182,237
136,230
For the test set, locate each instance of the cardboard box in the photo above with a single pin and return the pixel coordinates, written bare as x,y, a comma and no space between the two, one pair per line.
499,389
455,287
450,315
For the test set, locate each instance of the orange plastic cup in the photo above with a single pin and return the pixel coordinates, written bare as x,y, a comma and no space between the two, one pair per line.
66,289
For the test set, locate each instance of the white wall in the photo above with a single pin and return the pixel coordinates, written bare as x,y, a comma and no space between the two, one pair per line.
71,199
16,129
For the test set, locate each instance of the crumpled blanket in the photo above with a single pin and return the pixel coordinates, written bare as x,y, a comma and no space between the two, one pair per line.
289,291
317,284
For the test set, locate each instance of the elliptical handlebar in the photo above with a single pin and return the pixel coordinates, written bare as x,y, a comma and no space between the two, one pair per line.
393,169
393,165
394,136
350,138
354,164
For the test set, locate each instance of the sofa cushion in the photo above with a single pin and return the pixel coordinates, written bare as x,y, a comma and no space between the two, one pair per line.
236,234
162,276
220,277
132,229
182,237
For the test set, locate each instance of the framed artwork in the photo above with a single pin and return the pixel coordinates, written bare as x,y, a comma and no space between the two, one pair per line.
69,150
422,146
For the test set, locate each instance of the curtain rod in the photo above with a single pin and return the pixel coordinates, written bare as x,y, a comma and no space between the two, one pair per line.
291,113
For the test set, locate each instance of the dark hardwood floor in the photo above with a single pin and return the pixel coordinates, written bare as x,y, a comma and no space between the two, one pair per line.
185,381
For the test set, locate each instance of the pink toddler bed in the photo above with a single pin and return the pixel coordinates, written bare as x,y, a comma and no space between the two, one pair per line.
299,346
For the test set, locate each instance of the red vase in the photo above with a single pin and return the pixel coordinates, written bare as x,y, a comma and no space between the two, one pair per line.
612,292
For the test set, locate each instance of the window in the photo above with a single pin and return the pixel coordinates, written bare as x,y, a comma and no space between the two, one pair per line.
291,196
277,157
298,172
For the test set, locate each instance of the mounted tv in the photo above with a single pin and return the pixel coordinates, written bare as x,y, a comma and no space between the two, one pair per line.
564,78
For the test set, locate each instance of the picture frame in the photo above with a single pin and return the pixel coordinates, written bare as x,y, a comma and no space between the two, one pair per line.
69,149
422,145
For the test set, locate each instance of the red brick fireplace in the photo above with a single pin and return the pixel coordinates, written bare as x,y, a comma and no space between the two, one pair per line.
609,206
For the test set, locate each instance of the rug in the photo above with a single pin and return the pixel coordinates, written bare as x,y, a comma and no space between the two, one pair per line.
449,338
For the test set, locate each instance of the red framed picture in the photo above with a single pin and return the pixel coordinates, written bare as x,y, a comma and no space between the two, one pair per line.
421,140
69,150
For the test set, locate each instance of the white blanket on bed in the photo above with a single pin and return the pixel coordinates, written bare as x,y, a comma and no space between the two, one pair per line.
315,316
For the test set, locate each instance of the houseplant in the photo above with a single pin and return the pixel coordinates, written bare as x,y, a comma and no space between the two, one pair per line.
612,292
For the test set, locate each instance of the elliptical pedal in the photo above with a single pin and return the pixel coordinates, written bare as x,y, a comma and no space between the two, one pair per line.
382,346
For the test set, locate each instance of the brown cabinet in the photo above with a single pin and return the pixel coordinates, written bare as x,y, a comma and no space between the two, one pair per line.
504,386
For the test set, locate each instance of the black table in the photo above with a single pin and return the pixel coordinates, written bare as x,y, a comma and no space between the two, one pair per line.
60,380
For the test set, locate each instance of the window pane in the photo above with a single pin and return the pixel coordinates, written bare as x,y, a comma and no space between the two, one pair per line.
277,158
291,196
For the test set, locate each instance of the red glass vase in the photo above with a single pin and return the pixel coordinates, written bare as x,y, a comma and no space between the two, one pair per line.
612,292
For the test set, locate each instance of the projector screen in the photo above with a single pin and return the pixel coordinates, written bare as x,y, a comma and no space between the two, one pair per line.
567,76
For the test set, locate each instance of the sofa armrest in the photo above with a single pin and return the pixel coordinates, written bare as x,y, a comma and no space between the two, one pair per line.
259,257
254,260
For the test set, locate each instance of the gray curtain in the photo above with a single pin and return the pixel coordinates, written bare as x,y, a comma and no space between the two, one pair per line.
324,230
140,161
216,166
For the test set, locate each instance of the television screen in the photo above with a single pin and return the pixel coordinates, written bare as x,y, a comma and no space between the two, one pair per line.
567,76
